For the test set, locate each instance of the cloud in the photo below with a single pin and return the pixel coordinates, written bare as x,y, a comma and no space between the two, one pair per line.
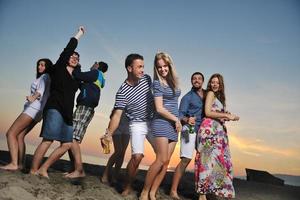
107,46
254,148
267,40
252,153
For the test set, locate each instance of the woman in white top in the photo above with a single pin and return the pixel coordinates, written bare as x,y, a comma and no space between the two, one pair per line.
31,115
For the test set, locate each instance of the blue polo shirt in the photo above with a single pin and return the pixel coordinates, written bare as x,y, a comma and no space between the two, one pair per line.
191,104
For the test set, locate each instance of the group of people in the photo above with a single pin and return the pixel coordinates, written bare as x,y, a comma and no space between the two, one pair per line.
143,109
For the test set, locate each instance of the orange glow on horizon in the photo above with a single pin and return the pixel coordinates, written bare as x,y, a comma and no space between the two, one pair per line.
246,153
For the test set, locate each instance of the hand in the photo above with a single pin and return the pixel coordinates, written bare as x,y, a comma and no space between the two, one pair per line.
236,118
222,120
81,29
233,117
30,99
178,126
106,136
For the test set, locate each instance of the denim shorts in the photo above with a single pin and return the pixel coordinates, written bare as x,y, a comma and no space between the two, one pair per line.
55,128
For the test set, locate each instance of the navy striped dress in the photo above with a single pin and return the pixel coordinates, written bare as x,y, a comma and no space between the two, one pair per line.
162,127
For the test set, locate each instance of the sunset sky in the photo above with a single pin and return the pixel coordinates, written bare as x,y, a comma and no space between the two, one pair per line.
254,44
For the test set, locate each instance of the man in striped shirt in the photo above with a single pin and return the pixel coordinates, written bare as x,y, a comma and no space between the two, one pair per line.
135,98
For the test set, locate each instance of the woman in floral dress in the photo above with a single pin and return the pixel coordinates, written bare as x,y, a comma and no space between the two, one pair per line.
213,167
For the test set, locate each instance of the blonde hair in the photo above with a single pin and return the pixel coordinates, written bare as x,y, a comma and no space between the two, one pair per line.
172,78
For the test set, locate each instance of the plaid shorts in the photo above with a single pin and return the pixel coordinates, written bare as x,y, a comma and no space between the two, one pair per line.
81,119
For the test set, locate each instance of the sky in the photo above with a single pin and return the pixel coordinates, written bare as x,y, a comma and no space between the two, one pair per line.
254,44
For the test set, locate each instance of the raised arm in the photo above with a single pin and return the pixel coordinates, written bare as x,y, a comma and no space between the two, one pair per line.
70,48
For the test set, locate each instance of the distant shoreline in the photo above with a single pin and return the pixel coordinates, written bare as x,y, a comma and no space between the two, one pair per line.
291,180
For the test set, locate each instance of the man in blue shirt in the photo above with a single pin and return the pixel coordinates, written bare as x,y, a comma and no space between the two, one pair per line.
190,114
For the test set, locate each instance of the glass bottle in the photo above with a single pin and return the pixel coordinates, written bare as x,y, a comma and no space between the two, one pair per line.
191,127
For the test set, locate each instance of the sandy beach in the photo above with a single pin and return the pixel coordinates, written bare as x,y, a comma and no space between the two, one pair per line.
21,185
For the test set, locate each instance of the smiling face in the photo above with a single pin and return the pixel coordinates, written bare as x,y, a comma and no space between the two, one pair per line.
73,60
215,84
136,68
162,68
197,81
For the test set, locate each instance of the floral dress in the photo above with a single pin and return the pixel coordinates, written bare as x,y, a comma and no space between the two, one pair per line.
213,167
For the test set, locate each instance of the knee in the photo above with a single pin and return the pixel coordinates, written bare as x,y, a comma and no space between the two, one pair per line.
166,162
9,134
163,161
46,142
67,145
136,158
21,137
185,161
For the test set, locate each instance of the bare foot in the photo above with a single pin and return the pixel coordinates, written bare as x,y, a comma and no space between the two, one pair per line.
152,195
33,172
144,196
202,197
10,167
42,173
20,167
174,195
127,191
75,174
66,173
104,180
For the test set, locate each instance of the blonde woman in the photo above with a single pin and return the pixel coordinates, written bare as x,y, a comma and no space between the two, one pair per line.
213,167
165,124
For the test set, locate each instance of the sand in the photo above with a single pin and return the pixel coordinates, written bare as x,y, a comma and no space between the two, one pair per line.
23,186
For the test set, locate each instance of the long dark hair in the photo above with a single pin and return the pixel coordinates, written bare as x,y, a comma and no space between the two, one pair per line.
220,94
48,64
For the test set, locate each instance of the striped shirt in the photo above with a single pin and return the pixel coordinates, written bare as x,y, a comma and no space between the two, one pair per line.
136,101
162,127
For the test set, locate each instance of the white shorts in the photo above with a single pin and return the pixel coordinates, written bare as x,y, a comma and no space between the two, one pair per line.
138,132
187,143
35,114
